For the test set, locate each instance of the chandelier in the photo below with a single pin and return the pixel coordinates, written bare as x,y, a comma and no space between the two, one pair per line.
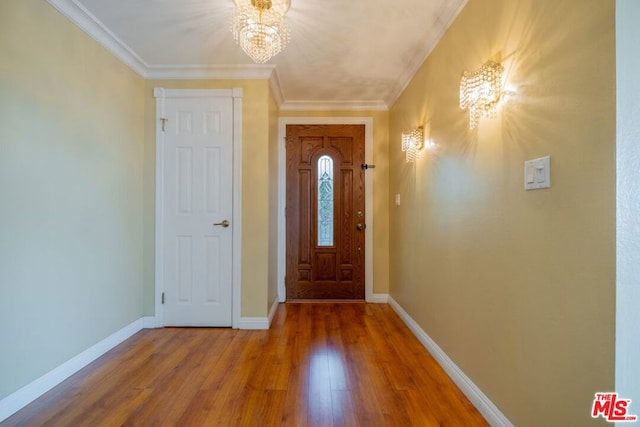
259,27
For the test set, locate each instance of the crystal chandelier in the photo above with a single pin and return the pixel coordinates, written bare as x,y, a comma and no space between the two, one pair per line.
480,91
259,27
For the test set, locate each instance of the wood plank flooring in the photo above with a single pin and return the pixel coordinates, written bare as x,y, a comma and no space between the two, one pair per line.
320,364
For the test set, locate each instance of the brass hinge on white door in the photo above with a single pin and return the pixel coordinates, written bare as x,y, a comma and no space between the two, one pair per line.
164,121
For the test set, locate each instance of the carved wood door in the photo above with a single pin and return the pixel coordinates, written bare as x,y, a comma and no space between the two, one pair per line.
325,212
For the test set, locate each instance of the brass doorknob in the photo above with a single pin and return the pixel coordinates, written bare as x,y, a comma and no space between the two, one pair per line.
224,223
360,226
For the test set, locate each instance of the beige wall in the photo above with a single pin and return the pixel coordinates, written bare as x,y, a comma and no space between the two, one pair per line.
71,138
255,189
516,287
380,188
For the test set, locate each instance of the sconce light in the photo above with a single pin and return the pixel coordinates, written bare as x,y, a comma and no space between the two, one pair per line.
480,91
412,143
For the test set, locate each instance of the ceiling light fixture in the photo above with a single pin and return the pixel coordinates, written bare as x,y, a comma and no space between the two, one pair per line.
480,91
259,27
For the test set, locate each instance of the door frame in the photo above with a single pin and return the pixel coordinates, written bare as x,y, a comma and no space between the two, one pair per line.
160,94
368,194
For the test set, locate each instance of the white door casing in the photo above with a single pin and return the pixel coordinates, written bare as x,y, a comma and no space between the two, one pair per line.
197,143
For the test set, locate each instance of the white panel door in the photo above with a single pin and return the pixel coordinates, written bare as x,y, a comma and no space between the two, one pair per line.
198,157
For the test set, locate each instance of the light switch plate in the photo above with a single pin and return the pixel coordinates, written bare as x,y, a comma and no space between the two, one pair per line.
537,173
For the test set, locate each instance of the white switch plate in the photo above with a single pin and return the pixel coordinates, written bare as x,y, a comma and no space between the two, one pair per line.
537,173
398,199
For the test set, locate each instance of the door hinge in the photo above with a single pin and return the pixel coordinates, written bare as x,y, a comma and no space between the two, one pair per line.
164,121
162,300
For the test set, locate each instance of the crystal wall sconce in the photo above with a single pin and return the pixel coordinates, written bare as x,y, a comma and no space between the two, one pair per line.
412,143
480,92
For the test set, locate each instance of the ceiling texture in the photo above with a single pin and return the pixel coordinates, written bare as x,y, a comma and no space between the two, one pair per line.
343,54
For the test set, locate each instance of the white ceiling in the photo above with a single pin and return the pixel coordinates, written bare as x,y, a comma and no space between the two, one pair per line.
353,53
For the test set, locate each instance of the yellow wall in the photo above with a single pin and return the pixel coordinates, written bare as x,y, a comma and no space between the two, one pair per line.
255,188
71,133
380,188
516,287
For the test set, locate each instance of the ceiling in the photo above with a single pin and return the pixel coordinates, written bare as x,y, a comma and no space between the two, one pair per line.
350,54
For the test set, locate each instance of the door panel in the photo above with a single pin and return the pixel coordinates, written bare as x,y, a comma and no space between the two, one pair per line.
198,154
325,202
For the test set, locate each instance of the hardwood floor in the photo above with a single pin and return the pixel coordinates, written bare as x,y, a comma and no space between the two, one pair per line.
320,364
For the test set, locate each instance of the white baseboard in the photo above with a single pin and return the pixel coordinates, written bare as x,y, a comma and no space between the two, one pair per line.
488,410
272,312
27,394
150,322
379,299
256,323
253,323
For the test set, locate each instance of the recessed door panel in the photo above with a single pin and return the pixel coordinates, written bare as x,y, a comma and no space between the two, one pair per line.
184,173
213,270
213,179
184,268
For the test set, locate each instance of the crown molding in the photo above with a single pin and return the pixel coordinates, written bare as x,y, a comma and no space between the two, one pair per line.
91,25
375,105
448,16
83,18
198,72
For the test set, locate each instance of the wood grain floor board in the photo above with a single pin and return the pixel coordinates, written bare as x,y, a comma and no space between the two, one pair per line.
320,364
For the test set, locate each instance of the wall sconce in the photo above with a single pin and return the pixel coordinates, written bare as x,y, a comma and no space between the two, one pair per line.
480,91
412,143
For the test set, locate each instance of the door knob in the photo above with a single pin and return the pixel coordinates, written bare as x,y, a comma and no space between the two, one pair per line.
360,226
224,223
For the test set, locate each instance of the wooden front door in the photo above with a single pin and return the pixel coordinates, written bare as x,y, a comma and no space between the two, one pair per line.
325,212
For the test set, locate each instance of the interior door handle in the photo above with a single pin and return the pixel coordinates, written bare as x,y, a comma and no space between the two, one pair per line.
224,223
361,226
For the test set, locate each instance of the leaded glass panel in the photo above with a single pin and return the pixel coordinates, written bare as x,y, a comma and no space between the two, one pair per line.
325,201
